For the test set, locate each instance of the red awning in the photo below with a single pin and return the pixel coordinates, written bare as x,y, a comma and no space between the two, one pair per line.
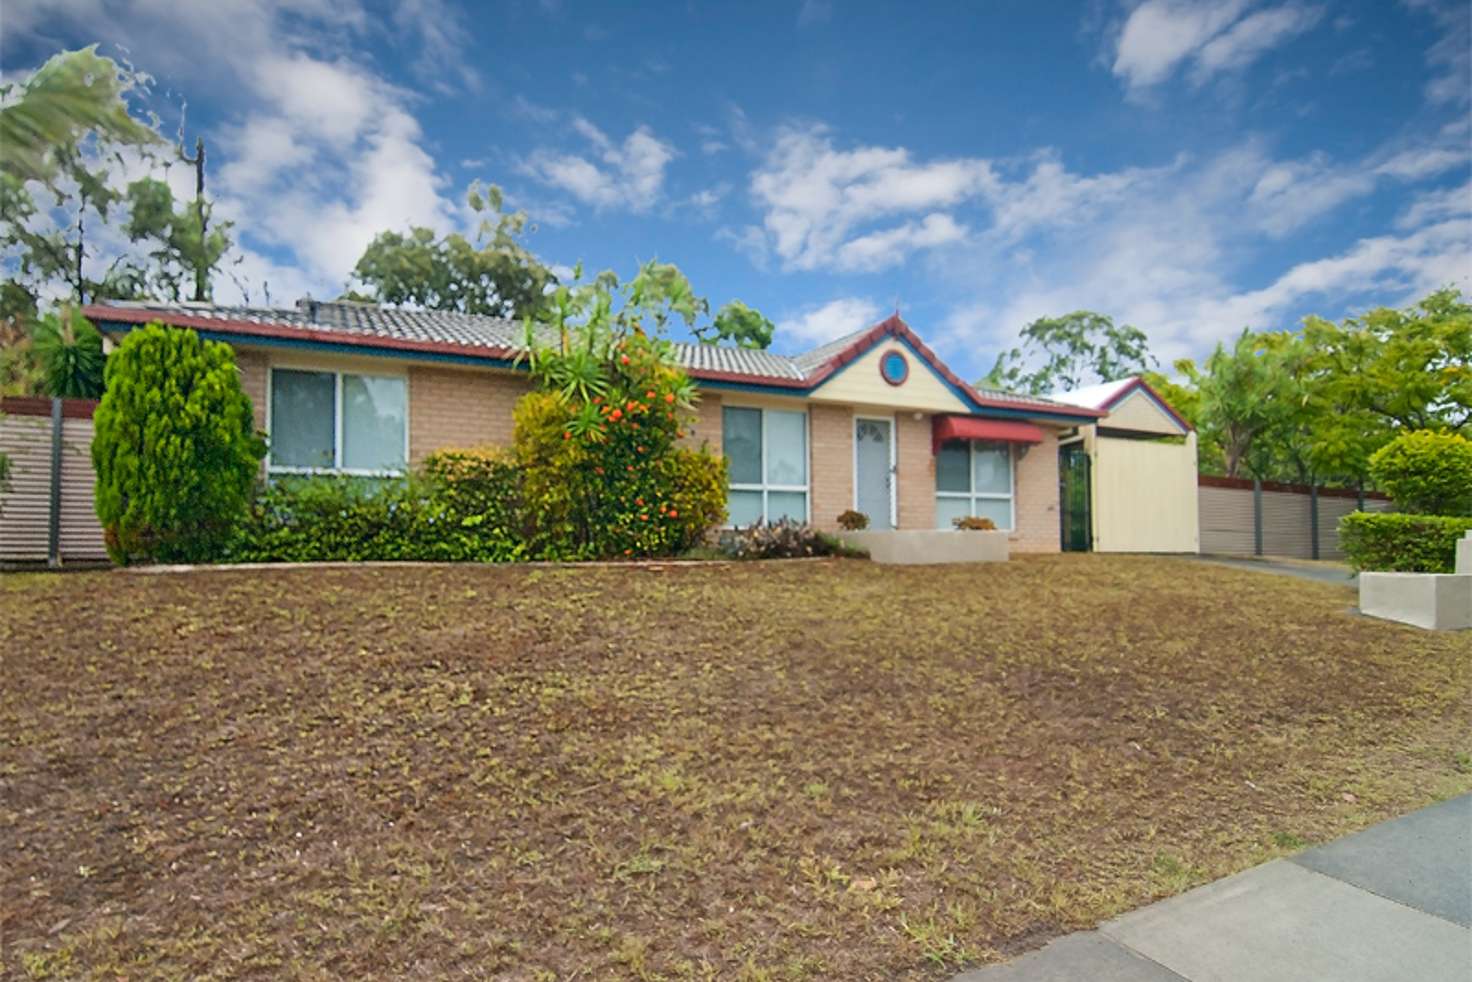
973,428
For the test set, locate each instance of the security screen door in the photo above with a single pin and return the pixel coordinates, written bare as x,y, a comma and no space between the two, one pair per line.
874,470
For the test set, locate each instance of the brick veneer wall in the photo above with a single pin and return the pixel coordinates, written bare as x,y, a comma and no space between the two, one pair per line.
706,427
1036,503
460,408
831,458
252,365
915,471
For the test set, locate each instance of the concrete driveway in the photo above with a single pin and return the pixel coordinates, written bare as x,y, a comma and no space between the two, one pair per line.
1390,904
1323,572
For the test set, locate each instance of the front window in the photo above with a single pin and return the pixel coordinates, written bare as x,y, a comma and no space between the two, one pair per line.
973,477
337,422
767,452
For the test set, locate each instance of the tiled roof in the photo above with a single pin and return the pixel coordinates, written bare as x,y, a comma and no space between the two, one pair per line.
440,332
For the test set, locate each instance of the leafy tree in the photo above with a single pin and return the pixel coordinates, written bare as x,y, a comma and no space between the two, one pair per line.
738,324
1076,349
76,93
20,367
495,275
186,250
1426,472
1245,393
174,447
68,120
1387,372
70,351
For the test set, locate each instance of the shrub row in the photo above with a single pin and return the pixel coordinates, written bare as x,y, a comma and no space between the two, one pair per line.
1392,542
461,507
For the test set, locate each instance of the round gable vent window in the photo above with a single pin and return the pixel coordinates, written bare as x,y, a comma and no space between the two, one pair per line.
895,367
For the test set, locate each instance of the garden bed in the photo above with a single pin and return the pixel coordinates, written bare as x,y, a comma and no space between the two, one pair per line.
820,769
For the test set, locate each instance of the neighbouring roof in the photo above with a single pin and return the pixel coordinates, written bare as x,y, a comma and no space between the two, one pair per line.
1106,395
474,336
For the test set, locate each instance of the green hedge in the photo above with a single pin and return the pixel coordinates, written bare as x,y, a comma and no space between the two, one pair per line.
1390,542
461,508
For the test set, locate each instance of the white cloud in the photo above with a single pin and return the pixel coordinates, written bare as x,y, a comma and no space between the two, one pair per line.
1433,206
812,326
318,152
814,196
1450,58
627,175
1213,36
879,250
1254,34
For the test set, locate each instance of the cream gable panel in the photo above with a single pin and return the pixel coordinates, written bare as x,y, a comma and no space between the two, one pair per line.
1137,411
860,384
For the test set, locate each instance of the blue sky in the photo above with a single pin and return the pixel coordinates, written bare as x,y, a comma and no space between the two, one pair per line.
1191,168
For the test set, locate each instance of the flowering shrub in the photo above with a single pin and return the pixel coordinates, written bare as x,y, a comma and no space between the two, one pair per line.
852,521
974,523
782,539
603,472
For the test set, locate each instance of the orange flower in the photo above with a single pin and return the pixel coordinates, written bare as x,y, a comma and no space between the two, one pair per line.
624,360
566,435
649,394
628,552
643,518
639,502
630,405
674,514
640,448
669,397
616,414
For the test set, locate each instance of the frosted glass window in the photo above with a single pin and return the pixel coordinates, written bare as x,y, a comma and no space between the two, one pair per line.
303,419
336,421
973,478
767,456
373,421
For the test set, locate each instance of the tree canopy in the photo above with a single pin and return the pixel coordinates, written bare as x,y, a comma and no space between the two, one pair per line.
1070,352
495,275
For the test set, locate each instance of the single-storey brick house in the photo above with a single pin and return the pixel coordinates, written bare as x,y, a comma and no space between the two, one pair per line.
872,421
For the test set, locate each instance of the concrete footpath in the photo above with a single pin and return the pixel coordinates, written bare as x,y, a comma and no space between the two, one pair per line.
1390,904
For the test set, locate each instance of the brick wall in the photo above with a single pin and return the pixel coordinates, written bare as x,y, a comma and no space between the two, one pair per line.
451,407
831,457
252,365
1036,503
915,472
707,425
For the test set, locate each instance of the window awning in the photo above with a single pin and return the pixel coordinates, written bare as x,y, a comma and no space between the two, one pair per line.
946,428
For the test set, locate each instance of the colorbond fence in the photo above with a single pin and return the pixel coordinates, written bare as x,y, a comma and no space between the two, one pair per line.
1278,521
46,512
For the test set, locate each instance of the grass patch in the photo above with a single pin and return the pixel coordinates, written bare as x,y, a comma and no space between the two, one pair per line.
784,771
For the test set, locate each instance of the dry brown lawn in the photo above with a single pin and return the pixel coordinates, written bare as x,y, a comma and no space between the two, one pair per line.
762,771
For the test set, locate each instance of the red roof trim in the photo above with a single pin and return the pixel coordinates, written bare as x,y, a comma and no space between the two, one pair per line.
892,326
252,329
1138,382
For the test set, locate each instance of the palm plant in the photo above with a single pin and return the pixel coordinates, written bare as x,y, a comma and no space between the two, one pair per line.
70,351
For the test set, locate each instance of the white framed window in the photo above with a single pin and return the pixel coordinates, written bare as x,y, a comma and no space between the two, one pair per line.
326,422
767,452
974,477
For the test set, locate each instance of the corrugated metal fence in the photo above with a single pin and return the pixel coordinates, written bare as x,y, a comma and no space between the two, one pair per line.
47,476
1229,517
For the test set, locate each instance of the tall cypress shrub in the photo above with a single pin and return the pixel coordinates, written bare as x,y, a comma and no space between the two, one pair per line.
174,447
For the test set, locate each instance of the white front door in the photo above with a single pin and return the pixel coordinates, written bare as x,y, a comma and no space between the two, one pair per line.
874,470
